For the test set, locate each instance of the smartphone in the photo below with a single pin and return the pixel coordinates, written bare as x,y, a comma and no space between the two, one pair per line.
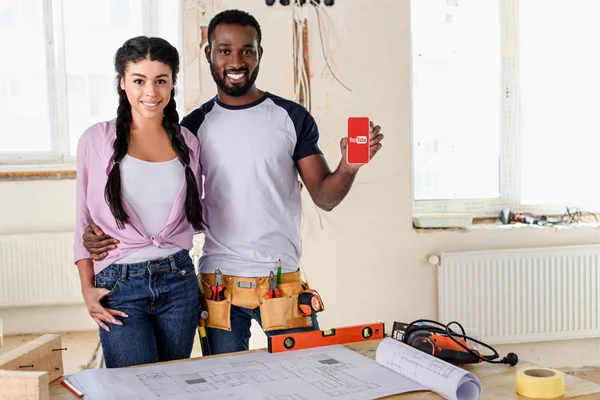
358,150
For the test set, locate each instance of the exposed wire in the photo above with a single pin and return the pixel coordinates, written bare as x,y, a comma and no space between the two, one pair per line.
302,82
575,215
302,85
571,215
318,11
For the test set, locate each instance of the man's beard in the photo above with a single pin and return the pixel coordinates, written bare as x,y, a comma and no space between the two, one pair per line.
234,91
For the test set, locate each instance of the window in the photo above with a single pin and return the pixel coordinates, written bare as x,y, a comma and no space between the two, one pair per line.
59,78
505,105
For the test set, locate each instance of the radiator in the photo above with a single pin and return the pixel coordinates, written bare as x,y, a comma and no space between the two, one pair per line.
38,270
522,295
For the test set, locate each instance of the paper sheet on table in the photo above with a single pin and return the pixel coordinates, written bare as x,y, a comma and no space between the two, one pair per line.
437,375
315,374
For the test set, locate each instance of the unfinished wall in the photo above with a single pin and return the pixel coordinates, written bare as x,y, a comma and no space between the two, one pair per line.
364,257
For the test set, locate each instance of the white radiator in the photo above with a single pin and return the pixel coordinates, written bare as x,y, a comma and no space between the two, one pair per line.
523,295
38,270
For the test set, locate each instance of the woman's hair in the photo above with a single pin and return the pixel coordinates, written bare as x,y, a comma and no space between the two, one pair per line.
135,50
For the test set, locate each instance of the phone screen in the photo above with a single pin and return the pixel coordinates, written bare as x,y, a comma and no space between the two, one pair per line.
358,140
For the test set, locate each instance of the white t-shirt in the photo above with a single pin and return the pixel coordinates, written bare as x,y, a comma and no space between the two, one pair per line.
150,188
252,203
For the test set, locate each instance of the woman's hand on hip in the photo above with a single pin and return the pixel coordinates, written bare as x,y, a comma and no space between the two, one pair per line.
92,297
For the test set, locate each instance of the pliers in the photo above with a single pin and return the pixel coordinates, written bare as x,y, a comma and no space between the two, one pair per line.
218,290
273,289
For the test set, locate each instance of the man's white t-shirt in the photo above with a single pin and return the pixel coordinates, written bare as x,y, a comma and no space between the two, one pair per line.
252,199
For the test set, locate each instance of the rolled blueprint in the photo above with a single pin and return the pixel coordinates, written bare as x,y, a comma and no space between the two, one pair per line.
447,380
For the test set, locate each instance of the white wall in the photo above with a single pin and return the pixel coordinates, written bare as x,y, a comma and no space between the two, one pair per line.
366,261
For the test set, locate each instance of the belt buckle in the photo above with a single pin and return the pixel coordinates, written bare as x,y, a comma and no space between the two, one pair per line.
244,285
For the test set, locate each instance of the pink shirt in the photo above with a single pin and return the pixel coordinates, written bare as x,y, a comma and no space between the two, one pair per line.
94,163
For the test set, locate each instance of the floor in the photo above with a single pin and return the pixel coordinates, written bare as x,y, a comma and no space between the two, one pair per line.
82,348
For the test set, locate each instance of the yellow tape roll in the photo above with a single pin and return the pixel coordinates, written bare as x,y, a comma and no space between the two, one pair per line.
540,383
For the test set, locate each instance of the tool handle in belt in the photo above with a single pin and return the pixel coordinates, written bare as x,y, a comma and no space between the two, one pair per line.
203,338
273,289
218,293
218,290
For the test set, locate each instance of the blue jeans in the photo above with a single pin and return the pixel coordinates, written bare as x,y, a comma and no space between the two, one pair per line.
238,338
161,298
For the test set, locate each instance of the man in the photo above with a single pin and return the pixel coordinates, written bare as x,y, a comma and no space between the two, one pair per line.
253,146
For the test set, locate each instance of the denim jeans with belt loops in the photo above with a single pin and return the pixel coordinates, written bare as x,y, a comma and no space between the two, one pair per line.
161,298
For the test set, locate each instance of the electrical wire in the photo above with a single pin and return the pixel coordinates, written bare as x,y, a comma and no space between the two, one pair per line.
572,215
575,215
302,85
301,74
318,11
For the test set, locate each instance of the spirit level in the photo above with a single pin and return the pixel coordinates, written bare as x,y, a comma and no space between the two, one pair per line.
308,339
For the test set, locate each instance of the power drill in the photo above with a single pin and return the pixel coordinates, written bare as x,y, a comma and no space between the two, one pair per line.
440,341
507,216
441,346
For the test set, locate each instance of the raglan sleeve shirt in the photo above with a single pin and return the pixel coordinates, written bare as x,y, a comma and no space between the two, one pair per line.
308,134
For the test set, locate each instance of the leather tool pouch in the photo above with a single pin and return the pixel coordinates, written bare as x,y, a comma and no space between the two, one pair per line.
283,312
277,313
219,312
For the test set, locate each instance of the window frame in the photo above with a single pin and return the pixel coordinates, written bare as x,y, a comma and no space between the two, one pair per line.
510,149
59,157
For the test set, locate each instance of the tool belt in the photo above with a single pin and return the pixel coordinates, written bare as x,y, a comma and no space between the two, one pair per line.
276,313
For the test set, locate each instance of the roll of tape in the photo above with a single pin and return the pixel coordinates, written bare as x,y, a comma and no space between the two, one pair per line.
540,383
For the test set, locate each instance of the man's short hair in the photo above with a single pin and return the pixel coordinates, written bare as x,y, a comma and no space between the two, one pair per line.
233,17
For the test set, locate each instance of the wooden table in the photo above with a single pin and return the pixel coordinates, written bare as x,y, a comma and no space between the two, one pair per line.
497,380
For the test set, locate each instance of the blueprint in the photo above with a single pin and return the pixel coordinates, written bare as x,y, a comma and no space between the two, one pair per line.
450,381
331,373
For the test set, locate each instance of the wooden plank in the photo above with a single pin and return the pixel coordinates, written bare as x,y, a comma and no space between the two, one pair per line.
303,96
41,175
20,385
41,354
306,62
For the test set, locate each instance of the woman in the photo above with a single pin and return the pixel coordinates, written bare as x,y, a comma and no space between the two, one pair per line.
138,176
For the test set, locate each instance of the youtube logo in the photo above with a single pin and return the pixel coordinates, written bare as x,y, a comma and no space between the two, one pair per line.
359,140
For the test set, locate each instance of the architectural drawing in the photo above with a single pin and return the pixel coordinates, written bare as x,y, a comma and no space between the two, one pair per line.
408,363
288,397
322,372
433,373
325,373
